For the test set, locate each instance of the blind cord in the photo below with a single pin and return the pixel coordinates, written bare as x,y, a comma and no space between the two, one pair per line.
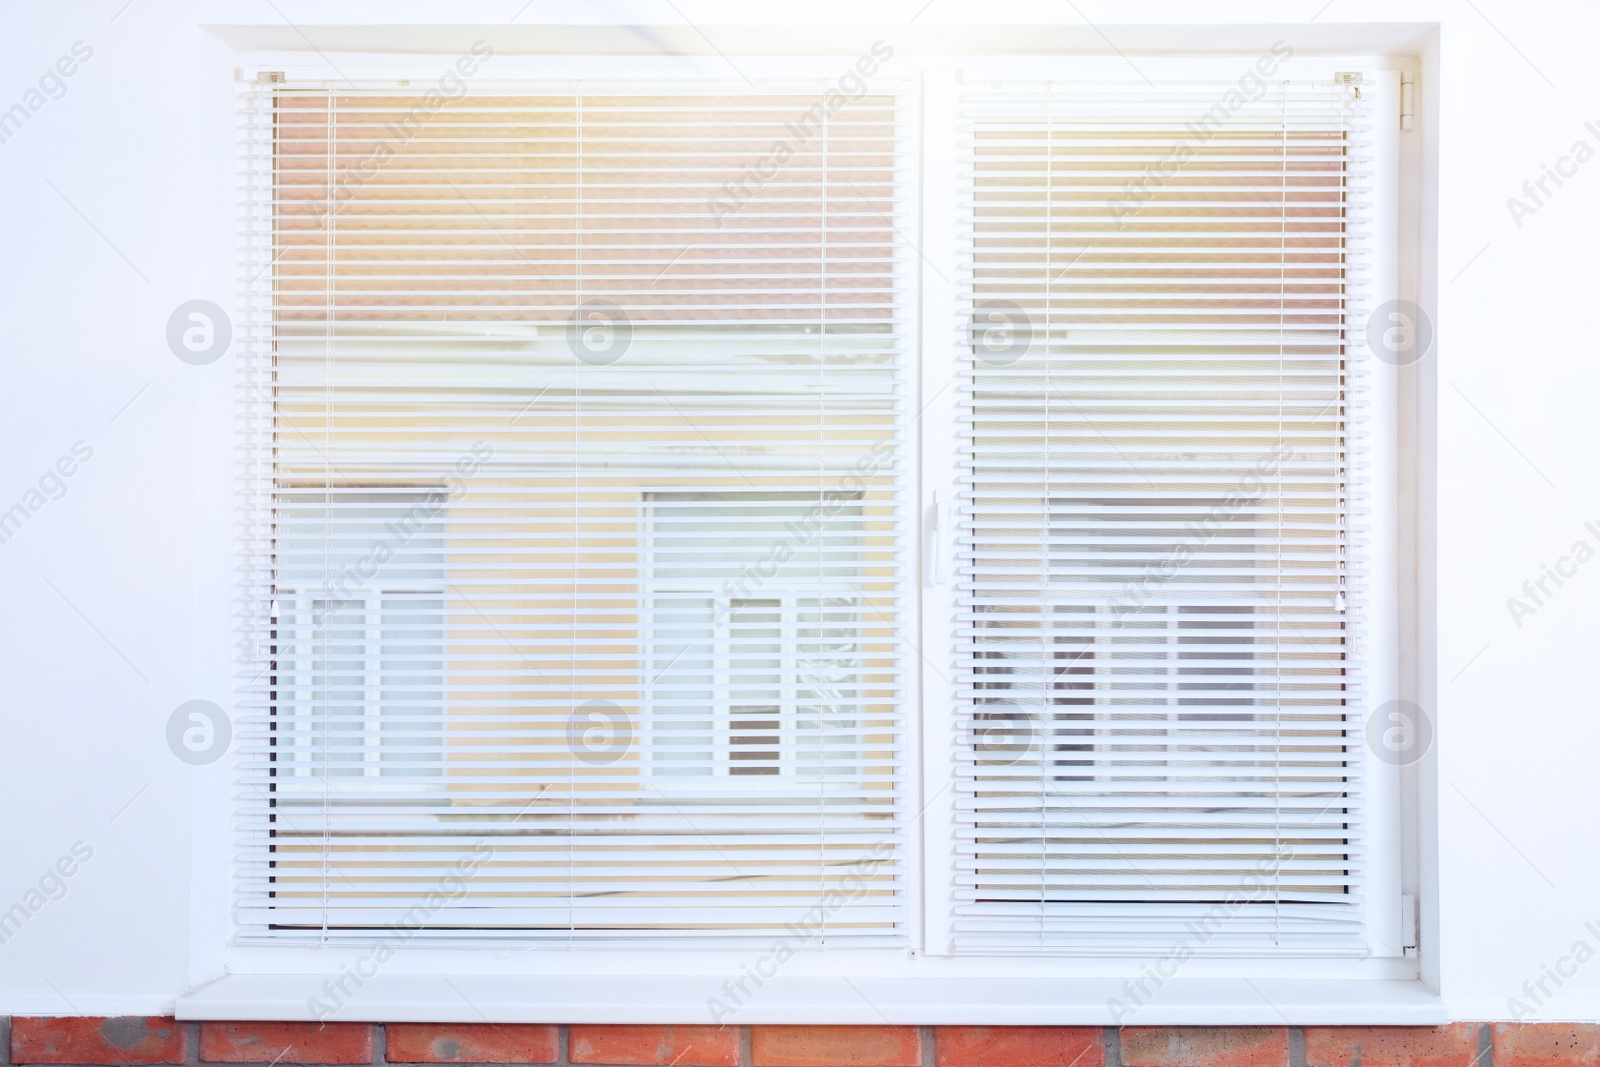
331,161
819,661
577,526
1277,675
1045,631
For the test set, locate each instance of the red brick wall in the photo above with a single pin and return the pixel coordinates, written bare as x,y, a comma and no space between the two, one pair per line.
133,1040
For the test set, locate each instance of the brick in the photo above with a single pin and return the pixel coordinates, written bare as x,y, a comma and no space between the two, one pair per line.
119,1039
835,1046
286,1042
1018,1046
648,1046
471,1043
1546,1044
1455,1045
1205,1046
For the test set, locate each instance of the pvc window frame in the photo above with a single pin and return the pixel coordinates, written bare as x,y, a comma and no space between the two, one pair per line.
507,982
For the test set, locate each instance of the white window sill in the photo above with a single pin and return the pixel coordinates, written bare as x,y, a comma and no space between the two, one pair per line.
820,1000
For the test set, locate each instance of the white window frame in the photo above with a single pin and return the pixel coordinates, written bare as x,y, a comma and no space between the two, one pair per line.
445,980
787,781
299,600
939,468
370,603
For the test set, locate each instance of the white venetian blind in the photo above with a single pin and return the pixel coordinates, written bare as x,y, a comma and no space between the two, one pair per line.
1160,590
575,419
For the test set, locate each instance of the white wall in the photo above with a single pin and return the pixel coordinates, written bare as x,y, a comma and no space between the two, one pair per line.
116,205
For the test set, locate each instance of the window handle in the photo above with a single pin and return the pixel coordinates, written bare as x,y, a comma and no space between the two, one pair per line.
936,519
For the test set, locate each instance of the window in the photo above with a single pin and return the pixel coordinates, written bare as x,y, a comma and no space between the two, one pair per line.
647,649
756,621
1159,484
358,646
948,518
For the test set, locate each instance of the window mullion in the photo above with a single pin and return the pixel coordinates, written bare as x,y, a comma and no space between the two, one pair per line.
938,435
